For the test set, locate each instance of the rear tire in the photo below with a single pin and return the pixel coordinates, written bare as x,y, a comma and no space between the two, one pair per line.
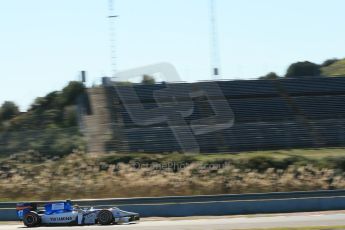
31,219
105,217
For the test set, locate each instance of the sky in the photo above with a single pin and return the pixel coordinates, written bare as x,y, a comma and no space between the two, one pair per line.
45,43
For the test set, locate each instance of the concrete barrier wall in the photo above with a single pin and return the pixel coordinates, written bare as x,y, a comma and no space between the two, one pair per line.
223,207
239,207
8,214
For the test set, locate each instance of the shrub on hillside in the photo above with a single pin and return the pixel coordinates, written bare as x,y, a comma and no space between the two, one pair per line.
303,69
8,110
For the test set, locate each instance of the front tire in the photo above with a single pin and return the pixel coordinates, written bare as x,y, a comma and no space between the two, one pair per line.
31,219
105,217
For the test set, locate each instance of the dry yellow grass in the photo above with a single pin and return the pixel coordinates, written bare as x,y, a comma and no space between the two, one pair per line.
78,175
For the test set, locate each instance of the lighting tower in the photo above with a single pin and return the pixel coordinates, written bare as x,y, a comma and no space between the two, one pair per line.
112,36
215,56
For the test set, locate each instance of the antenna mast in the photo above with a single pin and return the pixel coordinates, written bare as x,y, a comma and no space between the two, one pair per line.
215,57
112,36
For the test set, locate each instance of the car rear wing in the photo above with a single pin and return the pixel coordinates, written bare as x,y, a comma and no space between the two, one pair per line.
23,208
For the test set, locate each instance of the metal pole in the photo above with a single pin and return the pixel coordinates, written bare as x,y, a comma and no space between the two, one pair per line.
215,56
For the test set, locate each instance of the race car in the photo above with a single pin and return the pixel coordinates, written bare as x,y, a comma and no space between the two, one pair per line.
64,213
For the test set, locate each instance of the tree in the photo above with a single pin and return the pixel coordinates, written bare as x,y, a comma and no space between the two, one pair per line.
71,92
269,76
50,101
58,100
303,69
8,110
148,80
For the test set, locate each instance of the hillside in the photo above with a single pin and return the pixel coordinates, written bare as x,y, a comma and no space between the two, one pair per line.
336,69
50,125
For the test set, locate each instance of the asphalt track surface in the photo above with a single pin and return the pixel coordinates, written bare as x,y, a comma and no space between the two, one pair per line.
218,223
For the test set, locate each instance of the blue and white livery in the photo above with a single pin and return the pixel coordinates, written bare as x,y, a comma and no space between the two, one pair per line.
63,213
